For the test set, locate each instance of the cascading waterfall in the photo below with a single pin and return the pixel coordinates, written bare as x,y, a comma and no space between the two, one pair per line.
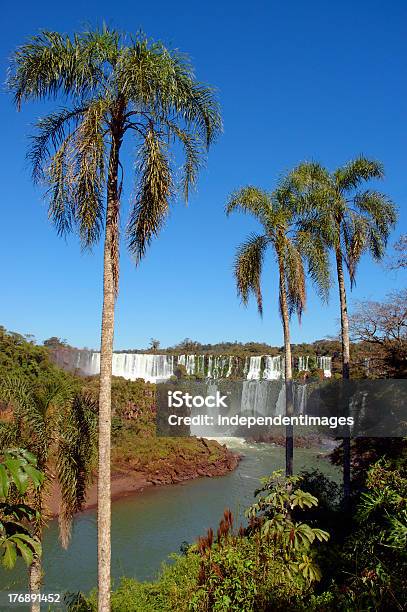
188,361
303,363
230,367
273,369
254,397
254,372
262,391
152,368
200,369
300,395
159,368
325,364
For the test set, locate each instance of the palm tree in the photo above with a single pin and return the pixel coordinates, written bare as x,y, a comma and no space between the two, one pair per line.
277,214
350,221
114,87
59,427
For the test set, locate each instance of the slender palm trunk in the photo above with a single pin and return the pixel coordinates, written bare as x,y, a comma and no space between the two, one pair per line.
35,579
106,355
289,403
345,366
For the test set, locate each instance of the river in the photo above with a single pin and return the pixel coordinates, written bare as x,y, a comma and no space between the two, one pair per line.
150,525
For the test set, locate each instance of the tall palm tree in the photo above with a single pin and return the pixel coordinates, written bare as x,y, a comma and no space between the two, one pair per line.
114,87
59,427
351,221
276,212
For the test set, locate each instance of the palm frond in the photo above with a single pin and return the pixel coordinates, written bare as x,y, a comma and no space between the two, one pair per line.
380,208
314,249
9,434
196,103
194,156
251,200
356,171
161,81
248,267
51,62
99,46
28,413
51,132
76,458
308,174
90,178
154,192
311,187
76,176
295,278
61,183
355,231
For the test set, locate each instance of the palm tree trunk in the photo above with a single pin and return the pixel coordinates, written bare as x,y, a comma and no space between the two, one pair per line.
289,403
35,579
106,356
345,367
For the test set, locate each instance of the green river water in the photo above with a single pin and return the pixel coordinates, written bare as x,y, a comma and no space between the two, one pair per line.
150,525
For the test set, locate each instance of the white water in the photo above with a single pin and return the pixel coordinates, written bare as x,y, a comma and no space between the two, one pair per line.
254,368
303,364
273,367
325,364
159,368
254,397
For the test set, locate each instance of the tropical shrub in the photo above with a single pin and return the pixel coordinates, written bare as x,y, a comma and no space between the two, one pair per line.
18,474
377,549
271,563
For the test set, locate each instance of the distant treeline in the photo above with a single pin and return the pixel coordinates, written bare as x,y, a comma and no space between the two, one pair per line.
21,352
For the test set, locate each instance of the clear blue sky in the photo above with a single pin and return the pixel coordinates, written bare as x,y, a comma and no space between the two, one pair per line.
297,81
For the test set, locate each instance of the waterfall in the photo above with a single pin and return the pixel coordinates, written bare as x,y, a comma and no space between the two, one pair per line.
206,430
280,404
254,368
325,364
254,397
159,368
152,368
190,364
303,364
300,399
273,369
200,369
230,367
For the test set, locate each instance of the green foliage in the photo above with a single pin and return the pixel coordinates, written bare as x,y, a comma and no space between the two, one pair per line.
274,513
19,469
57,425
18,475
172,591
76,454
384,506
19,355
115,86
293,245
335,209
367,565
268,565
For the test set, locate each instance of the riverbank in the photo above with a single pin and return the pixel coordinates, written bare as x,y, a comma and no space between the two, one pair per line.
210,459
